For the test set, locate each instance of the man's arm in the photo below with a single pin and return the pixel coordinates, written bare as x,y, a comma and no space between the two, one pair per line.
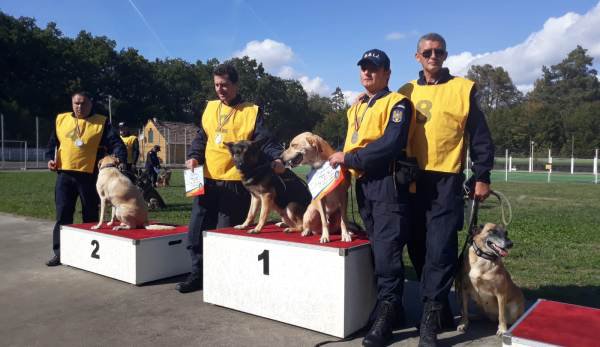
52,146
196,153
135,152
112,141
387,147
270,147
481,148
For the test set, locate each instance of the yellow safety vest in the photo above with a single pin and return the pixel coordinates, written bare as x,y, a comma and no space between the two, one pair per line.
129,141
373,124
71,157
240,126
438,137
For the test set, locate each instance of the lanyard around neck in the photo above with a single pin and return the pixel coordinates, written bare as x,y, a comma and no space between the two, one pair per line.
221,122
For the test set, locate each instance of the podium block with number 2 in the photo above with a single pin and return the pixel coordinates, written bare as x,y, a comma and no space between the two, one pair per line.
289,278
134,256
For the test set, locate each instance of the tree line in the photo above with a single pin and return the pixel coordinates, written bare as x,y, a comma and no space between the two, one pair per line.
40,68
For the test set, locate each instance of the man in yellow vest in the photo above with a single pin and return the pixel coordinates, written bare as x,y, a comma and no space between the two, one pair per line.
225,201
377,136
448,120
132,144
79,140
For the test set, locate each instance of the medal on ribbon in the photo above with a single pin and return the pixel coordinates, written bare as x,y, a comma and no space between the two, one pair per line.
219,138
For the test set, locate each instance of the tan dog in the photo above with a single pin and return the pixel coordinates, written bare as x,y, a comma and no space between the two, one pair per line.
128,203
164,178
484,278
329,211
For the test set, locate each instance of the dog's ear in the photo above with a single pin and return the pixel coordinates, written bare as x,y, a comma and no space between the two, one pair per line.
315,142
477,229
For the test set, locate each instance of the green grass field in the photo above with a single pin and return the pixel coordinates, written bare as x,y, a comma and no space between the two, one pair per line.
554,228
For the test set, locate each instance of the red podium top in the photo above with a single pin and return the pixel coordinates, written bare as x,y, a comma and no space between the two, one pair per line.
272,232
134,234
560,324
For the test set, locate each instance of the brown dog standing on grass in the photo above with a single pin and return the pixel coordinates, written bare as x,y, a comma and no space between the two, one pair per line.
329,212
484,278
128,205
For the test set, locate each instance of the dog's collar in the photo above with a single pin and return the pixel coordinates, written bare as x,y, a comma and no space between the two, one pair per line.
107,166
482,254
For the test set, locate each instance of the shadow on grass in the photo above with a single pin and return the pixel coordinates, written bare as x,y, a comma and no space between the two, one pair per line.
578,295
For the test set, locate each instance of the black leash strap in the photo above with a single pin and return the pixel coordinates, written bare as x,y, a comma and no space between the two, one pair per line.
470,229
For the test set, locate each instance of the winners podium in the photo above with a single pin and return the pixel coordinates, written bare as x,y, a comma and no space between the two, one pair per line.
289,278
135,256
550,323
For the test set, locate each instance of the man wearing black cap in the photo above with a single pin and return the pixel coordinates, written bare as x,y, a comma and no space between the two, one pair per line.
377,136
447,115
132,144
153,164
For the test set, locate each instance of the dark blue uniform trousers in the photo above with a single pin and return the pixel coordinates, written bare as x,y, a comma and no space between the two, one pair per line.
69,185
387,225
224,204
438,216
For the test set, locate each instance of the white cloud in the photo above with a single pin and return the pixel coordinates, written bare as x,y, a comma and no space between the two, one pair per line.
396,35
276,57
271,53
351,95
548,46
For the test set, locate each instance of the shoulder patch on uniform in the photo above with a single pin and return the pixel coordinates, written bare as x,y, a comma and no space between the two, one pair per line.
397,113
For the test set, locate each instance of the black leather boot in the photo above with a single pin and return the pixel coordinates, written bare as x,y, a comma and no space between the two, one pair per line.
447,317
430,321
192,283
55,261
383,325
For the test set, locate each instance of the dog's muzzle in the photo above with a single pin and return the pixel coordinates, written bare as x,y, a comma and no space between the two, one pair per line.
296,160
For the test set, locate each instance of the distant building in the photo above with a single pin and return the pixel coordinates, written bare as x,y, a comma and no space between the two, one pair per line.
174,139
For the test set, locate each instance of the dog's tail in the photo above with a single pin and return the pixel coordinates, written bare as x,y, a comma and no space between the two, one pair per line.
159,227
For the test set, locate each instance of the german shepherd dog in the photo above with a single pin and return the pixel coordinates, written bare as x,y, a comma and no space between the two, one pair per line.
285,193
484,278
328,213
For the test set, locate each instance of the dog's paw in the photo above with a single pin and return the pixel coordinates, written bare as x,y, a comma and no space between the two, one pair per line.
289,230
346,237
324,239
253,231
306,232
240,226
97,226
110,223
501,331
462,327
280,225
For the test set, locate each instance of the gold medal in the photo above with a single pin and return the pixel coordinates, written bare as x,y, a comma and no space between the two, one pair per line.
79,142
218,138
354,138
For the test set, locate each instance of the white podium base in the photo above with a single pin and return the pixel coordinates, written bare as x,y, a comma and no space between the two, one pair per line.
133,256
289,278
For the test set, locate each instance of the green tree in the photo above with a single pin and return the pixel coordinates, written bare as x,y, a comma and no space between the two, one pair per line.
495,88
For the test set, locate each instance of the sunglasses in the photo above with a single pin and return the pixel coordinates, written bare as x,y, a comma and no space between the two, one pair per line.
439,52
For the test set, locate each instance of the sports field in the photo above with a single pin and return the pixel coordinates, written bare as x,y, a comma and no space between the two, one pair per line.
554,227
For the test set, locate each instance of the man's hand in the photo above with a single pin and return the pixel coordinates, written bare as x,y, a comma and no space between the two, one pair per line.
191,164
51,165
277,166
336,159
482,191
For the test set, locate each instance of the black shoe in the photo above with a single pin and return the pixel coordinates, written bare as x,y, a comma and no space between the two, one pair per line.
430,322
191,284
383,326
55,261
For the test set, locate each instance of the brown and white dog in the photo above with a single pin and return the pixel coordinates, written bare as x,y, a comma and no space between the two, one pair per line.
330,211
128,203
164,178
483,278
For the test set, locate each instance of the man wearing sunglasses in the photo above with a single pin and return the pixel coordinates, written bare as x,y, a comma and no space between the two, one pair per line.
378,127
448,120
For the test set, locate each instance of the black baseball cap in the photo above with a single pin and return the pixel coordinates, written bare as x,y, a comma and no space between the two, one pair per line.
377,57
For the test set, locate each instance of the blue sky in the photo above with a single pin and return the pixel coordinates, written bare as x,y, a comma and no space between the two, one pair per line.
319,42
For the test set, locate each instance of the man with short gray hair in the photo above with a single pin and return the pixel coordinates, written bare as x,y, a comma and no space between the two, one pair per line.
448,120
